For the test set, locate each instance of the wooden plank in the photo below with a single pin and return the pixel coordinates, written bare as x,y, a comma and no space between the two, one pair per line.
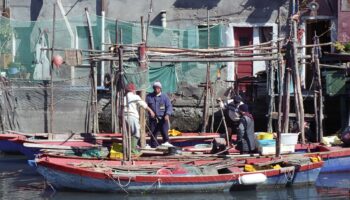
150,152
307,115
49,146
28,134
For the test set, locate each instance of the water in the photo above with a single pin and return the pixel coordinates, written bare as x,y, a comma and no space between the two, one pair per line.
19,181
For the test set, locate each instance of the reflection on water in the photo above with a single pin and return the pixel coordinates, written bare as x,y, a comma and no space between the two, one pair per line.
19,181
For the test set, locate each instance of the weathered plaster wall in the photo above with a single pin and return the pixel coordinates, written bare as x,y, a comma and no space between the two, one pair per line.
180,13
184,13
343,23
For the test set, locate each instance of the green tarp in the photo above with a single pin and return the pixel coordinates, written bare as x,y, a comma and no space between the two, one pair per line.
166,75
144,79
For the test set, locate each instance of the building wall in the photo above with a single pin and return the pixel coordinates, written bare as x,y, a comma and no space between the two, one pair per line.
184,13
343,21
180,13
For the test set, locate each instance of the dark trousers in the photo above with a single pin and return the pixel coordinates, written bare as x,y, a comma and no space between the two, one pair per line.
156,126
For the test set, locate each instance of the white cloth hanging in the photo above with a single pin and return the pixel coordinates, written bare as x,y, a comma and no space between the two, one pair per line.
42,63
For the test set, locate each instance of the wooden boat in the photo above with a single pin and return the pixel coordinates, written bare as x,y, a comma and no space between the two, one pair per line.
30,147
8,143
336,159
30,144
171,176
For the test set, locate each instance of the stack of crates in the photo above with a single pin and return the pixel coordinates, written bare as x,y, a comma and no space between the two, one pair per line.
267,145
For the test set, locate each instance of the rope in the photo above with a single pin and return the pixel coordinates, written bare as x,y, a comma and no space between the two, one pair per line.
52,188
119,183
289,175
151,134
159,181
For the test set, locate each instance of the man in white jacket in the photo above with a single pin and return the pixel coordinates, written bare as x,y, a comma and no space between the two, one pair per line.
132,117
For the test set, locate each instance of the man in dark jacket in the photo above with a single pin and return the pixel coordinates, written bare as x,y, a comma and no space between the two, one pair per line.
161,106
245,131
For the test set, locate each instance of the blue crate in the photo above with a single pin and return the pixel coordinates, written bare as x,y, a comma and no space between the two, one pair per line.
267,143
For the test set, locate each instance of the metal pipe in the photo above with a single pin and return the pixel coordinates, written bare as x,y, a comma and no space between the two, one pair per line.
103,20
70,30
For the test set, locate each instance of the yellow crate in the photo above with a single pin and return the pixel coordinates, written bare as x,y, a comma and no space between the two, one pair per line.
116,155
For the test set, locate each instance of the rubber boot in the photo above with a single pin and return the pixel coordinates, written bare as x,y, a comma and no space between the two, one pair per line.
134,141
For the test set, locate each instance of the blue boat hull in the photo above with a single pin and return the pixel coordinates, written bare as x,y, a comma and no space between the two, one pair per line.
60,180
14,147
293,178
9,146
338,164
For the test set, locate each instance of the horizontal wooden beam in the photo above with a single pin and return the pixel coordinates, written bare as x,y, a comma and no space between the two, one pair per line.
275,115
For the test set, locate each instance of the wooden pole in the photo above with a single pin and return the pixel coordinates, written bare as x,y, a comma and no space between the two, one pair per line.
280,103
148,20
286,102
228,143
296,103
93,74
280,92
121,88
51,72
271,85
206,96
207,92
143,66
298,83
212,92
117,76
319,86
316,109
114,98
205,60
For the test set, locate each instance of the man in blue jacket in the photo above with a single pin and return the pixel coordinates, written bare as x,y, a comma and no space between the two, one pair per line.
161,106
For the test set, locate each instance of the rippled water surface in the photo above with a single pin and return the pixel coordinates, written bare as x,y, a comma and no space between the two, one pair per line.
19,181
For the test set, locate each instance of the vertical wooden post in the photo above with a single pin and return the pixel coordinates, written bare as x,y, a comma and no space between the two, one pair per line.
206,97
296,102
116,106
207,92
280,86
143,66
271,85
316,110
280,101
319,85
296,74
93,74
126,138
286,102
51,72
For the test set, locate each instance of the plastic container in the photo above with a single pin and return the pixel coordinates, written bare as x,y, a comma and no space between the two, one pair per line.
267,143
285,149
265,136
289,138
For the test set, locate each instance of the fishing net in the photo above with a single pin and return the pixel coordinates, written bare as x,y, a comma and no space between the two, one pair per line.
33,102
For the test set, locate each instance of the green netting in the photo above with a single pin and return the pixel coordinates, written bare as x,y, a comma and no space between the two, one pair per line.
19,40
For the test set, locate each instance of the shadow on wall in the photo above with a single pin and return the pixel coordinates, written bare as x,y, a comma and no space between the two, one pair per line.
157,20
195,4
35,8
261,11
